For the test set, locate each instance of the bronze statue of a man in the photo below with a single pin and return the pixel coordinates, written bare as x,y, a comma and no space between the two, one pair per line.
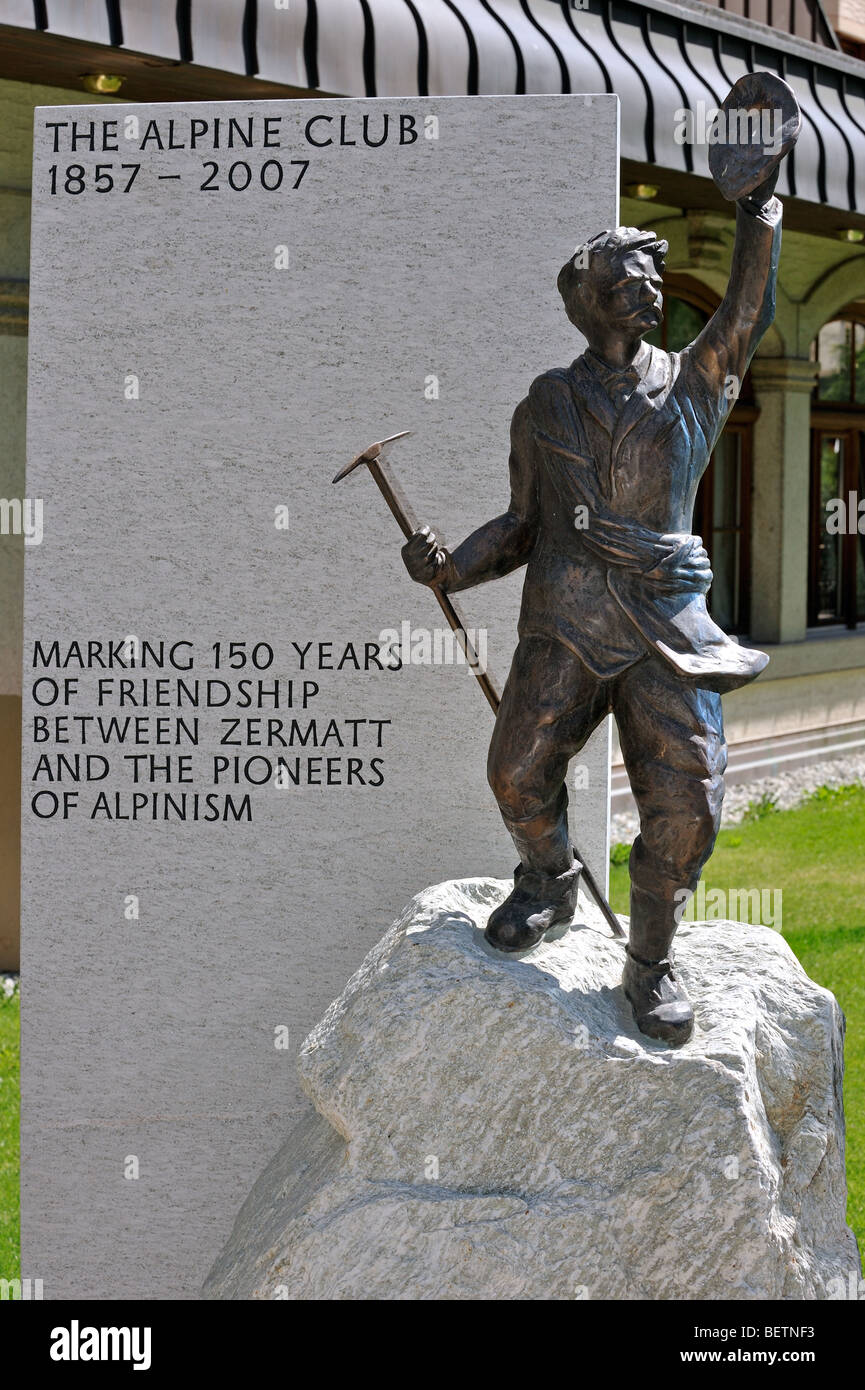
606,456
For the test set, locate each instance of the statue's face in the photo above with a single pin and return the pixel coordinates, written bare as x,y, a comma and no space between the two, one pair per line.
627,294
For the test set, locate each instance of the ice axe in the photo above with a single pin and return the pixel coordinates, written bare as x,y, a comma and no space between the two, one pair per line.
375,458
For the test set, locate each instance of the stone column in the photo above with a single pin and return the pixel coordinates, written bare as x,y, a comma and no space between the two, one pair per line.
779,515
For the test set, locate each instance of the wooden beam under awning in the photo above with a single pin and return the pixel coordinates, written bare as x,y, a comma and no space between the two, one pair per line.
56,61
687,191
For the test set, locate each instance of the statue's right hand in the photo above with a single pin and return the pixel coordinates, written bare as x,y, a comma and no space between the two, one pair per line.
423,556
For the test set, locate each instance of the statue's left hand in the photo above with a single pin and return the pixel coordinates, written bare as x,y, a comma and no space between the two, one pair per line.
687,567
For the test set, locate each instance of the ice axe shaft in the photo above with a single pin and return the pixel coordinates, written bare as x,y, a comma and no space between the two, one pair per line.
408,525
375,460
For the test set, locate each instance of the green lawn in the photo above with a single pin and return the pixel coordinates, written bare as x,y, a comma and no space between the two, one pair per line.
816,855
9,1255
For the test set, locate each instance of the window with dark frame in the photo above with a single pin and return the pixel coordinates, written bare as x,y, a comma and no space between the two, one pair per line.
836,568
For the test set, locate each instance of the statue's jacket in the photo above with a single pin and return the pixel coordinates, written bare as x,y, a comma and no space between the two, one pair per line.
606,490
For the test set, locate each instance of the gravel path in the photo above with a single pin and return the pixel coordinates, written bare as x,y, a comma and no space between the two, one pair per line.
787,789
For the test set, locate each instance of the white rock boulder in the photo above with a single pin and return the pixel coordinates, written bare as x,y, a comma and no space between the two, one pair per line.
495,1129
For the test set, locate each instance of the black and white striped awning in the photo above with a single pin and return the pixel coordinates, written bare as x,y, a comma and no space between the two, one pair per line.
658,55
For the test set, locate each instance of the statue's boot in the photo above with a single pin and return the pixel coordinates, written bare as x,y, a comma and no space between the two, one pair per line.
539,902
657,996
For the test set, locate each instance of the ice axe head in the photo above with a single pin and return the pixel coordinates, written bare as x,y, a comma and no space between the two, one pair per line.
370,455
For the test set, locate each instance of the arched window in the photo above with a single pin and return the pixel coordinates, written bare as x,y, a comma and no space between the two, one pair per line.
722,512
836,571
